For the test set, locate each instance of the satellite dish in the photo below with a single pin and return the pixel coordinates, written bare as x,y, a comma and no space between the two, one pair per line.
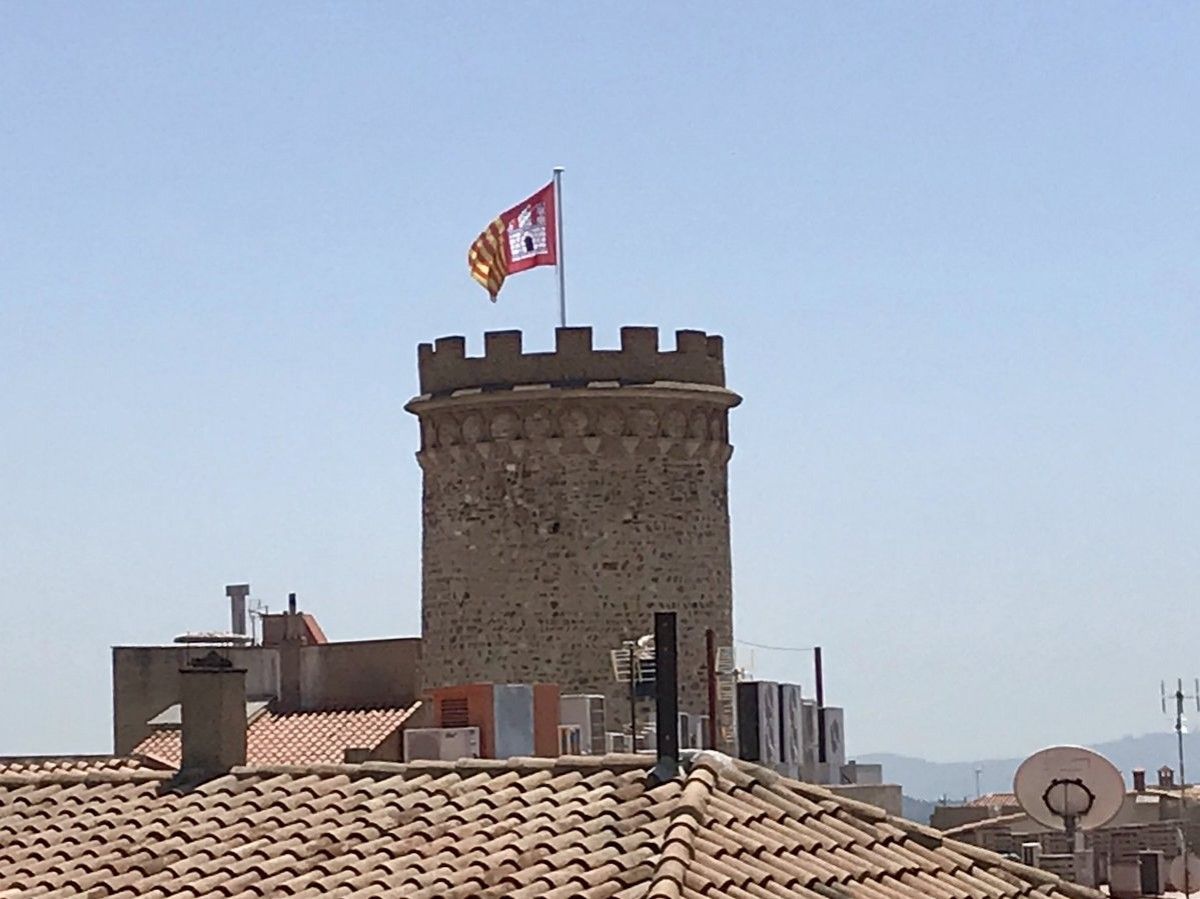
1175,873
1068,787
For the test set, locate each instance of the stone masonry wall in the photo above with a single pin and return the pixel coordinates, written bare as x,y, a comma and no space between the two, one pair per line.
557,520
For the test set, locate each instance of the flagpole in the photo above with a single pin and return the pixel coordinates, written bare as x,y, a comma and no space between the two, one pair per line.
558,242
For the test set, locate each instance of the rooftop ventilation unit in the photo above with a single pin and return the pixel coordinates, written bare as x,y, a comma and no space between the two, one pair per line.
758,722
791,705
615,741
447,744
513,719
587,711
835,743
810,724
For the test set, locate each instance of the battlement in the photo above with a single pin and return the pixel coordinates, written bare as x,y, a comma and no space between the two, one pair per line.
698,358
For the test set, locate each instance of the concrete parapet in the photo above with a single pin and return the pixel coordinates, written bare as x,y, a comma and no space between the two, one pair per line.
444,366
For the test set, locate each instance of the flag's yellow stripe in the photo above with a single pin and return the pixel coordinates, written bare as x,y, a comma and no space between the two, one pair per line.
485,259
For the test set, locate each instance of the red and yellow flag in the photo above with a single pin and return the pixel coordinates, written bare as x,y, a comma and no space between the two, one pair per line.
521,238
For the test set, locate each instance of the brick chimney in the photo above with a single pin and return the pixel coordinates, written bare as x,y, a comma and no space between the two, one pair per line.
289,659
1139,779
214,715
1166,777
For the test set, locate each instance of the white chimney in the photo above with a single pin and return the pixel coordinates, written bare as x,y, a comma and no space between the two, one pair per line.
237,594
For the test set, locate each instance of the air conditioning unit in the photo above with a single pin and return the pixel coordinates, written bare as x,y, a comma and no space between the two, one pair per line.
810,769
587,711
570,739
758,722
648,740
791,744
835,742
1152,873
513,719
446,744
615,741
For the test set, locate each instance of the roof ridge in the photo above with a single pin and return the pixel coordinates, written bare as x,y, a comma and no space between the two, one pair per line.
343,710
614,761
678,842
93,776
57,757
972,826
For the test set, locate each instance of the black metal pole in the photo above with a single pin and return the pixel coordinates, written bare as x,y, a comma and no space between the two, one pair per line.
710,653
666,693
820,675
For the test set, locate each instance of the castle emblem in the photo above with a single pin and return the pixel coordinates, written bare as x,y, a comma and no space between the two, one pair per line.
527,233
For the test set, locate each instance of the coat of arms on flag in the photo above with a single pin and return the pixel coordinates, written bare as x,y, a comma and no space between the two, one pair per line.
521,238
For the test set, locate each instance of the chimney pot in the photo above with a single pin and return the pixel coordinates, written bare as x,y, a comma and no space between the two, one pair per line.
1166,776
213,699
1139,779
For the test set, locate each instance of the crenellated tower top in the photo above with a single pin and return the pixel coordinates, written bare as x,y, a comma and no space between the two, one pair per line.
698,358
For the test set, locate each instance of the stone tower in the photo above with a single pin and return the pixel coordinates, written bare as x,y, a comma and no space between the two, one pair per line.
567,497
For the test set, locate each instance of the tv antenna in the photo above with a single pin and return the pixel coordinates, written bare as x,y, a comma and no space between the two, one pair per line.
1072,789
258,611
1187,862
634,664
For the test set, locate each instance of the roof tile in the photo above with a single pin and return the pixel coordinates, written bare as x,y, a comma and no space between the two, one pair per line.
591,828
293,738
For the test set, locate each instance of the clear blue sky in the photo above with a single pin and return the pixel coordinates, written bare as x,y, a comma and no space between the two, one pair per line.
953,249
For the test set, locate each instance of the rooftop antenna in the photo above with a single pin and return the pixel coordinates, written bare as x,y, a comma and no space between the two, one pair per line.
721,678
634,664
1073,789
1180,729
258,611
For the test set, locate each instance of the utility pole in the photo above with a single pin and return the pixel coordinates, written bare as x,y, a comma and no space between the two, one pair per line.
1180,696
819,677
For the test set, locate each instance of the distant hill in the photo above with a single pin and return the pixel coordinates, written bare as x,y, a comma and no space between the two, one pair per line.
927,780
919,810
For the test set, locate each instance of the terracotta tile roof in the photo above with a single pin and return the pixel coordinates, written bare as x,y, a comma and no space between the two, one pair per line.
990,800
295,738
53,764
592,828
